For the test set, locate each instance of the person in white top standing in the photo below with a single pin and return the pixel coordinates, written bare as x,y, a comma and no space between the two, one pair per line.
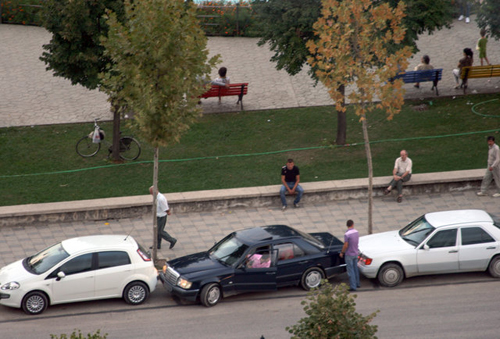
400,174
493,170
162,210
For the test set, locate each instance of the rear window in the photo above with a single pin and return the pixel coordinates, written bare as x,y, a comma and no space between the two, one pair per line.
112,259
496,220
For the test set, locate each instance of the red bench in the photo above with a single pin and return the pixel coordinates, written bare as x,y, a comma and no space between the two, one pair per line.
233,90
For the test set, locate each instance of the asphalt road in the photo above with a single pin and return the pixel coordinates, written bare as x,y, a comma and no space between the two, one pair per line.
445,306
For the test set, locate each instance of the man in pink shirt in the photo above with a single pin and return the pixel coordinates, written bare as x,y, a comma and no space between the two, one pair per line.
350,252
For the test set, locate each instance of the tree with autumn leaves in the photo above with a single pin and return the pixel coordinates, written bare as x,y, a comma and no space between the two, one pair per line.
352,49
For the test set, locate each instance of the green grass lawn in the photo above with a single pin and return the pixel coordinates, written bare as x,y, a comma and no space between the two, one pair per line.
39,164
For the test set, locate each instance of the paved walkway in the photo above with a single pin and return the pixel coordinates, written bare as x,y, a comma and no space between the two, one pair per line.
198,231
32,96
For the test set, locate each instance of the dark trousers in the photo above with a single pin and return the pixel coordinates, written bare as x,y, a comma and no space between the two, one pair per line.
399,183
162,221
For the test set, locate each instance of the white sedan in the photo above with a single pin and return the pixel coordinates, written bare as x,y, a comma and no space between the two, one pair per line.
79,269
439,242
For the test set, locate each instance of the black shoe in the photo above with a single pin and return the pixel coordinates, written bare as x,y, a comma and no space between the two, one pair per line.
172,244
352,290
151,247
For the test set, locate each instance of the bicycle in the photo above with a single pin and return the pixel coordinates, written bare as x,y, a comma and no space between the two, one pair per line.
89,145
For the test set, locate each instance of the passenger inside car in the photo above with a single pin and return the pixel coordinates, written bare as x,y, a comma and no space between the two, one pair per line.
259,261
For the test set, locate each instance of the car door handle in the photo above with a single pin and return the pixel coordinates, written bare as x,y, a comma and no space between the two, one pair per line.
453,251
491,248
303,262
271,273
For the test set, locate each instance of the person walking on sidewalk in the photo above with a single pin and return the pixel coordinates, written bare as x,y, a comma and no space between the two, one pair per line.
290,178
400,174
493,170
162,210
350,252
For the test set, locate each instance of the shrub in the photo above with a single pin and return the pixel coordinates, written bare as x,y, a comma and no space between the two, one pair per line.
24,12
79,335
331,313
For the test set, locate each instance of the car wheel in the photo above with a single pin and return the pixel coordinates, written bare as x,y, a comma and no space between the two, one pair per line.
35,303
312,278
390,275
135,293
210,295
494,267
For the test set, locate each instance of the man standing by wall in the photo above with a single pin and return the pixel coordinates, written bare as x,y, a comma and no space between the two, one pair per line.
162,210
493,170
350,252
290,178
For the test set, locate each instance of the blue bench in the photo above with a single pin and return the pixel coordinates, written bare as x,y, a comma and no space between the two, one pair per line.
433,75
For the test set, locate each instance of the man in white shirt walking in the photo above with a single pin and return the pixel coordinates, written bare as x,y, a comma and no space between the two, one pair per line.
493,168
400,174
162,210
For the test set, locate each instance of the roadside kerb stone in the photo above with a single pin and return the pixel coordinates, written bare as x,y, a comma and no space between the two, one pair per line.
228,199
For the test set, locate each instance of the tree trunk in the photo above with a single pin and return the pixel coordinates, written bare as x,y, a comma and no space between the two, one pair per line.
115,148
341,121
370,173
155,196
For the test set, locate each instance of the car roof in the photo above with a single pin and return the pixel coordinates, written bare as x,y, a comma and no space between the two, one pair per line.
445,218
262,233
99,242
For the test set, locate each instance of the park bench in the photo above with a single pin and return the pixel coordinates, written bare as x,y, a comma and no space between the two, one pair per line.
238,90
473,72
433,75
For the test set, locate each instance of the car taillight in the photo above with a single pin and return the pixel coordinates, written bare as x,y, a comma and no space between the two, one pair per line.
143,255
364,260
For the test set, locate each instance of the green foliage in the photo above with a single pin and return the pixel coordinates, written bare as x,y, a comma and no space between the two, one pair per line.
227,18
488,17
79,335
288,25
331,314
25,12
75,51
160,61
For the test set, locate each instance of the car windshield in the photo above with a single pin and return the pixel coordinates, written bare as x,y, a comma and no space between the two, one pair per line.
416,232
228,250
46,259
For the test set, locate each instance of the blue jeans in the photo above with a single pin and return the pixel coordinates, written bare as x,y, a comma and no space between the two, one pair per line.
352,271
465,8
299,190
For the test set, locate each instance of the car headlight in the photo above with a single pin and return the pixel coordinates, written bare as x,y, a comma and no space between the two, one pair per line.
183,283
13,285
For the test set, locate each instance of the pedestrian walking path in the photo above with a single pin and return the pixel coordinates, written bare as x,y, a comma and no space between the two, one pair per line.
32,96
197,231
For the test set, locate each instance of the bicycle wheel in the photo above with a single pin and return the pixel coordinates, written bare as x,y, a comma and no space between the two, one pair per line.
86,148
130,149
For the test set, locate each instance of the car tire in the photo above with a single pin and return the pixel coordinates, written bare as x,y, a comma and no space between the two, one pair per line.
494,267
210,295
390,275
312,278
135,293
35,303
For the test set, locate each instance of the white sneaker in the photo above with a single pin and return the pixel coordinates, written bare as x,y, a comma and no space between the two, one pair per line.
481,194
496,195
467,20
460,18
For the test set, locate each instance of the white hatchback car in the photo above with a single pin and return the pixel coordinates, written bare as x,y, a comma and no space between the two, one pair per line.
79,269
439,242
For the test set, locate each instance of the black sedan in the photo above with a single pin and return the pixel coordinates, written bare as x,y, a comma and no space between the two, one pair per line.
254,259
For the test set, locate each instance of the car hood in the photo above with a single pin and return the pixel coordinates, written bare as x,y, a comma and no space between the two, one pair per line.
381,243
195,263
14,272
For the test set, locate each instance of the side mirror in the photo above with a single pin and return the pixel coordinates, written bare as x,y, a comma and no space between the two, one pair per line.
426,247
60,275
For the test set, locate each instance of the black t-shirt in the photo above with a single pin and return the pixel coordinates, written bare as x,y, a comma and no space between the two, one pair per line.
290,175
